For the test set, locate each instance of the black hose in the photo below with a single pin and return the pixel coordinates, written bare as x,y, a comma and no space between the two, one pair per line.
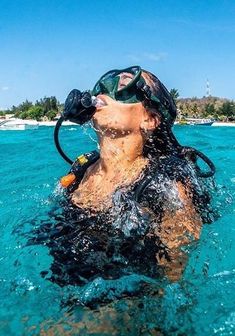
195,152
183,150
56,140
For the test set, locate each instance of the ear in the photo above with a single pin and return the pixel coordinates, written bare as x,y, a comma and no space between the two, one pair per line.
150,122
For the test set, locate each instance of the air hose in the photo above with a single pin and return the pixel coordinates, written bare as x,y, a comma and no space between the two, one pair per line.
57,143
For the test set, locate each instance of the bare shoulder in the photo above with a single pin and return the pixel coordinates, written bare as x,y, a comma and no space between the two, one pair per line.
179,227
182,225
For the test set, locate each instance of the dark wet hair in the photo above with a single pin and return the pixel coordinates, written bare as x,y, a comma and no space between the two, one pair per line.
167,107
162,141
182,160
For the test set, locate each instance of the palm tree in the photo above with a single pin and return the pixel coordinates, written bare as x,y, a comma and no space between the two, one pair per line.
175,94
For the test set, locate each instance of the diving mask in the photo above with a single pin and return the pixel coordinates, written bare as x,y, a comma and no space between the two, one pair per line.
126,86
129,86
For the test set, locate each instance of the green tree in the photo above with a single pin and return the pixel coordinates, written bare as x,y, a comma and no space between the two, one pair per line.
175,94
209,110
23,115
48,104
23,107
195,110
15,110
35,112
228,109
54,103
51,114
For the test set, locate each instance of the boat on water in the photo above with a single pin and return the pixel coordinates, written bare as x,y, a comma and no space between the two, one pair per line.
196,121
18,124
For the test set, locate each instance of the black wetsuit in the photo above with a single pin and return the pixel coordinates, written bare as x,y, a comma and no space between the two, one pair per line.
121,240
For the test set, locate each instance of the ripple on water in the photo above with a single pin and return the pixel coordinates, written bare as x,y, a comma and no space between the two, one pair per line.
202,303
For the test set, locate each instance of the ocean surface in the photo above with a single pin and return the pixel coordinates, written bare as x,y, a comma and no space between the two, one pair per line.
201,303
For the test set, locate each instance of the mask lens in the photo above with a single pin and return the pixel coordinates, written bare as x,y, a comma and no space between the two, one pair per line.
125,78
115,81
104,85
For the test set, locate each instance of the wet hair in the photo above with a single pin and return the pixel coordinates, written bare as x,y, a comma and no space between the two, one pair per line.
162,141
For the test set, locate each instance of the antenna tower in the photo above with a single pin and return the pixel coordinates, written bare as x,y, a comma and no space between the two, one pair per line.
208,89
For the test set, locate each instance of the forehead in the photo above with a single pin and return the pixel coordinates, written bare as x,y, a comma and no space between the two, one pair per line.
124,75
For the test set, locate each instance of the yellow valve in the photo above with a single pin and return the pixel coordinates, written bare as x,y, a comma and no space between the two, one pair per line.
82,159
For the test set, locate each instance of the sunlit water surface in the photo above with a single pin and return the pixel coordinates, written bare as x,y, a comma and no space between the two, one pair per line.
202,303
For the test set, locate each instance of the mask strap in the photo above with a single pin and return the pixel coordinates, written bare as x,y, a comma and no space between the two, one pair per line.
147,94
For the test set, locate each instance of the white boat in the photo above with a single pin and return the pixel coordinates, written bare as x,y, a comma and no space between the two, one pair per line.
14,124
196,121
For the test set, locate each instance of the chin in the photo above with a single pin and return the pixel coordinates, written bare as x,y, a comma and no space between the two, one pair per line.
104,123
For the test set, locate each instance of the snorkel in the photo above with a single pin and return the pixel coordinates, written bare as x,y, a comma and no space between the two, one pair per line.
127,86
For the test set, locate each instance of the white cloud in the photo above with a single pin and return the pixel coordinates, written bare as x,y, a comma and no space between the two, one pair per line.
156,57
4,88
134,58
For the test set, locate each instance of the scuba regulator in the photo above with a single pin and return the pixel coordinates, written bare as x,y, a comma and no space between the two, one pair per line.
79,108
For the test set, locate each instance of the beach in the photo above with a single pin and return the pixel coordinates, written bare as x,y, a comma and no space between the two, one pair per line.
53,123
228,124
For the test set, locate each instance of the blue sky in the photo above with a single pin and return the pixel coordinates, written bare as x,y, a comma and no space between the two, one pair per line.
48,47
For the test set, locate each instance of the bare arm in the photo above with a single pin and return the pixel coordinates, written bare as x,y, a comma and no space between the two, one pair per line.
178,228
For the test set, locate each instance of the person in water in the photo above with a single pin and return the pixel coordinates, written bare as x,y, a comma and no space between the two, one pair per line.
141,200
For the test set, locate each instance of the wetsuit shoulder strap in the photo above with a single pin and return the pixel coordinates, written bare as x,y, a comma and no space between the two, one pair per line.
139,190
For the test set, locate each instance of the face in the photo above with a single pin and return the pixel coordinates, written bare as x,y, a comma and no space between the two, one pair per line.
121,118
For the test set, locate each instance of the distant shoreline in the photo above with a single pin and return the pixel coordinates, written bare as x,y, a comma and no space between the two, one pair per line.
53,123
69,123
220,123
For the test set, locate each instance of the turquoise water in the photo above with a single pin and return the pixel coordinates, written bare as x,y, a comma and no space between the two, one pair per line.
202,303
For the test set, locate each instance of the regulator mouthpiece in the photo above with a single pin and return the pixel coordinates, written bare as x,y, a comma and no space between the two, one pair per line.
80,106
